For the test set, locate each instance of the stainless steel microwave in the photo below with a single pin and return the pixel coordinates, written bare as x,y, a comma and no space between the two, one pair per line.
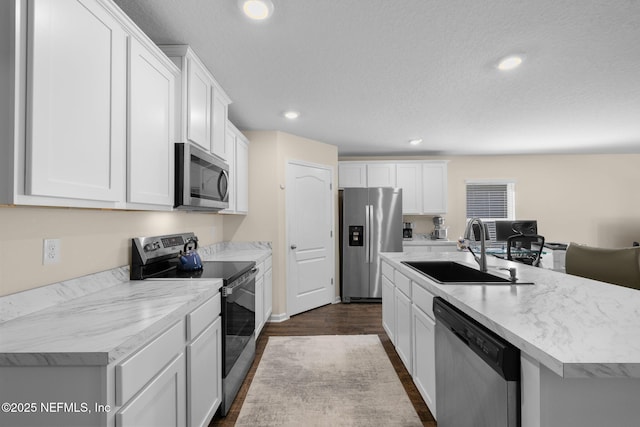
202,179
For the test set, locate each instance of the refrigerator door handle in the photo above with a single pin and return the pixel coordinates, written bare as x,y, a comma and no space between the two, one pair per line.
367,233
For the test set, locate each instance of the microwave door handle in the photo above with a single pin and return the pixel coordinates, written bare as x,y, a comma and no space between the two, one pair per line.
223,176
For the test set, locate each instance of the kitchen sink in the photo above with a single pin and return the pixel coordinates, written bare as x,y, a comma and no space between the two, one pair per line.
451,272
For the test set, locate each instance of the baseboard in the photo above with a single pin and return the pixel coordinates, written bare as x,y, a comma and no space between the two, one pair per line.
277,318
337,300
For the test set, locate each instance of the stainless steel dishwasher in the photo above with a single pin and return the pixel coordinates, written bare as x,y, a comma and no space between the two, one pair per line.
477,373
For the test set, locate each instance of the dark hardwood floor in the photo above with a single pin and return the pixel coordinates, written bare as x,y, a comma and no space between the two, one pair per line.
334,319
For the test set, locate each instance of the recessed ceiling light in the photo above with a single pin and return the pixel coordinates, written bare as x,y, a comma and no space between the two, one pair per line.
510,62
416,141
291,115
256,9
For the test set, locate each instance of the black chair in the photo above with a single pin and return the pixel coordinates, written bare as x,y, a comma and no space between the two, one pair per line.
520,248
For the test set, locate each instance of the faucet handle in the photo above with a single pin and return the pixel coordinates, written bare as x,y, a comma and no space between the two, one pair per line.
512,273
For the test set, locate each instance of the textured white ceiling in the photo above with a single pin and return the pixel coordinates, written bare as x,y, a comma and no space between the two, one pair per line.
369,75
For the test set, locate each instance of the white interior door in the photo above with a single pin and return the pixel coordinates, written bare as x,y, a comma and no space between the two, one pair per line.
310,241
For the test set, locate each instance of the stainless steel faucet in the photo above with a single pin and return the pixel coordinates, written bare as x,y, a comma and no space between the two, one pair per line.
482,260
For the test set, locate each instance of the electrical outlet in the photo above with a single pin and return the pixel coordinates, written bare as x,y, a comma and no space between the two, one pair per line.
51,251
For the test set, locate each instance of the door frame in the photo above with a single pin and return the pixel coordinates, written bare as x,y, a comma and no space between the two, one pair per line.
332,249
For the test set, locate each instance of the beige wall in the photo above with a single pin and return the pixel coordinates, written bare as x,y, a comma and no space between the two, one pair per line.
91,240
590,199
268,156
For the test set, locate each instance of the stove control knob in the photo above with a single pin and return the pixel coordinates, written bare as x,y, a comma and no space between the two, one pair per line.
150,247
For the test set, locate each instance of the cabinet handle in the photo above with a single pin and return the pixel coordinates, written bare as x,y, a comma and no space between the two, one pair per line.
294,247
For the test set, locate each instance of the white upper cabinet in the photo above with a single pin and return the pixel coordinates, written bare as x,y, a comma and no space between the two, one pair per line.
76,101
220,104
423,183
204,102
230,142
434,188
352,175
151,107
237,149
409,178
381,175
242,174
89,120
199,103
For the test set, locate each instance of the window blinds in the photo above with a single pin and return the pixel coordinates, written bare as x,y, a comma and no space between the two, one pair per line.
487,201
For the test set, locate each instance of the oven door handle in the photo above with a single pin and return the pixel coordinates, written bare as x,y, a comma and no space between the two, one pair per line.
228,290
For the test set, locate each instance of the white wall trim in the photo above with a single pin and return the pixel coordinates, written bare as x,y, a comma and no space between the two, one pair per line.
278,318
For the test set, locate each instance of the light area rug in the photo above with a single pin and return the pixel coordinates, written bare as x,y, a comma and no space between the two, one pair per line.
327,380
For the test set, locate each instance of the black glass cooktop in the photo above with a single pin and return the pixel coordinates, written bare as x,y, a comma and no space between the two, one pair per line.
229,271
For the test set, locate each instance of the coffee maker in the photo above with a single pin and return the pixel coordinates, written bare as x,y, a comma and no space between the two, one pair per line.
440,230
407,230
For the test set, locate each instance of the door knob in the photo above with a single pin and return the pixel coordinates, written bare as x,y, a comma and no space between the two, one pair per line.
293,247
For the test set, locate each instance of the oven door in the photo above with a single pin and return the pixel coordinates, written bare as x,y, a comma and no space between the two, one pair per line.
238,319
202,180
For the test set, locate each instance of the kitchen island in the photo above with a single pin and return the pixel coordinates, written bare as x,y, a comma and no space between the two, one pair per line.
579,338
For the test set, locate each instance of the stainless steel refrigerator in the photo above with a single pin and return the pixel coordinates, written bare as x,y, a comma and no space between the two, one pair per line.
371,223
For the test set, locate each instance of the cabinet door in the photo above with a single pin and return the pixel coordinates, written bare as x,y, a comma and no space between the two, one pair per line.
424,357
76,102
230,142
151,128
161,402
403,328
388,309
242,175
219,125
352,175
409,178
381,175
434,195
204,375
268,295
259,304
200,92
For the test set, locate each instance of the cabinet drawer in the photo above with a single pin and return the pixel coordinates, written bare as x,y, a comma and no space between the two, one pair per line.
387,270
267,264
202,316
423,299
139,369
402,282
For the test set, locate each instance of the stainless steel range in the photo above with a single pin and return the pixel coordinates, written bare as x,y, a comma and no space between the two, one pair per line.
159,258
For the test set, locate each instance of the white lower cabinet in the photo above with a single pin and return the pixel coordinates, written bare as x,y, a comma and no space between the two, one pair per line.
161,402
259,304
403,327
407,318
173,380
268,290
264,294
184,392
204,368
424,357
388,309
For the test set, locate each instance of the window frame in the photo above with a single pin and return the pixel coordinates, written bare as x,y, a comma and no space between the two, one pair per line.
510,204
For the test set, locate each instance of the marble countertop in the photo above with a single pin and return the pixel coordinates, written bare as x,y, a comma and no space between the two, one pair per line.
426,240
100,318
102,327
576,327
